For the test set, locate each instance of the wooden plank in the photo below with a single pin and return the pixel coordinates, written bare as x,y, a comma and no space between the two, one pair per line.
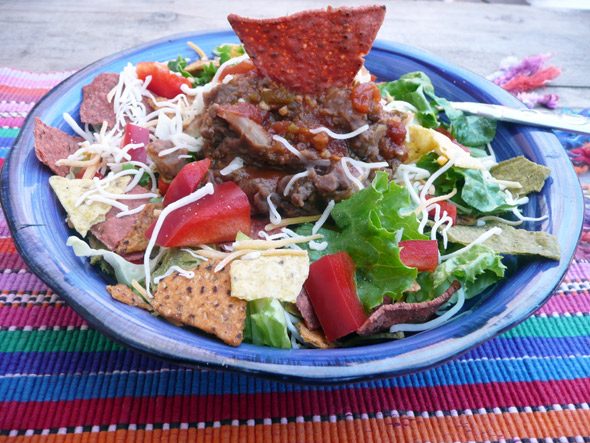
66,34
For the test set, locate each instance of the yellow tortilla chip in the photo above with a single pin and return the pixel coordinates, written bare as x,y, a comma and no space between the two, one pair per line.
280,277
86,215
425,140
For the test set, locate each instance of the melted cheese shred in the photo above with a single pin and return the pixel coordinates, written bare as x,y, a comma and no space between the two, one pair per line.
197,195
292,221
268,244
268,252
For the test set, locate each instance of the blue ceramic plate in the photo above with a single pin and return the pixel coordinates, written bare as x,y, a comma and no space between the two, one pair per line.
37,224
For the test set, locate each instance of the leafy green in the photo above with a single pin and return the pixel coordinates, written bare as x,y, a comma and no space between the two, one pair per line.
225,52
426,292
474,190
125,271
266,324
416,88
179,66
145,178
476,269
469,130
369,222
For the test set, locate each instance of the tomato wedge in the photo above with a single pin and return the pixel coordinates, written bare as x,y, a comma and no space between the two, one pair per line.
240,68
136,135
215,218
332,292
421,254
186,181
164,82
444,206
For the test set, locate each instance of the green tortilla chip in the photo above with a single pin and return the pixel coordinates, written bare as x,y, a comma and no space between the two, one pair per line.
512,240
519,169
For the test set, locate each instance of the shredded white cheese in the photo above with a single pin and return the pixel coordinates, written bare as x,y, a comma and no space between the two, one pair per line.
172,270
340,136
274,216
288,146
324,217
234,165
294,179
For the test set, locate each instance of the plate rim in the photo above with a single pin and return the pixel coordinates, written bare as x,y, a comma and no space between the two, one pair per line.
329,374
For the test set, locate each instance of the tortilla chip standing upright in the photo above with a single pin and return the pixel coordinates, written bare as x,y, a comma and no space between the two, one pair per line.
311,50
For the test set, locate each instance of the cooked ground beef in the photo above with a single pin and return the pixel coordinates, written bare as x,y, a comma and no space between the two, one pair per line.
244,114
169,165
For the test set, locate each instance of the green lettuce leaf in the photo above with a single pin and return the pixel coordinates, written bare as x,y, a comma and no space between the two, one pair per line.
416,88
369,222
473,190
476,269
125,272
266,324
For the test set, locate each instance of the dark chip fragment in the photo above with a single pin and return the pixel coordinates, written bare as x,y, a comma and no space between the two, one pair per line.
311,50
95,108
125,294
388,315
52,145
114,229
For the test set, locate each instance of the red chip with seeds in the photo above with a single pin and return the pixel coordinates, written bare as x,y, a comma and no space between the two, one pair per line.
311,50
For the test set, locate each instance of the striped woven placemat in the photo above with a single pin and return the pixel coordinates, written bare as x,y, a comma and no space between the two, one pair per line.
60,380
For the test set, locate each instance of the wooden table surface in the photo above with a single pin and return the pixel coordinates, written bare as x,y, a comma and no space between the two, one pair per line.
42,35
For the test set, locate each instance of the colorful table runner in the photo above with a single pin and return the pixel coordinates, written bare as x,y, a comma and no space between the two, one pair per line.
61,380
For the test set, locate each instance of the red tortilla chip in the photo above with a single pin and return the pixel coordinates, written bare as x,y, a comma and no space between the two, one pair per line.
52,145
388,315
311,50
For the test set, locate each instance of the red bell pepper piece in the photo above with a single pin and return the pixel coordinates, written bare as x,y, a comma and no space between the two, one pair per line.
80,174
136,135
332,292
186,181
215,218
421,254
164,82
163,185
444,206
